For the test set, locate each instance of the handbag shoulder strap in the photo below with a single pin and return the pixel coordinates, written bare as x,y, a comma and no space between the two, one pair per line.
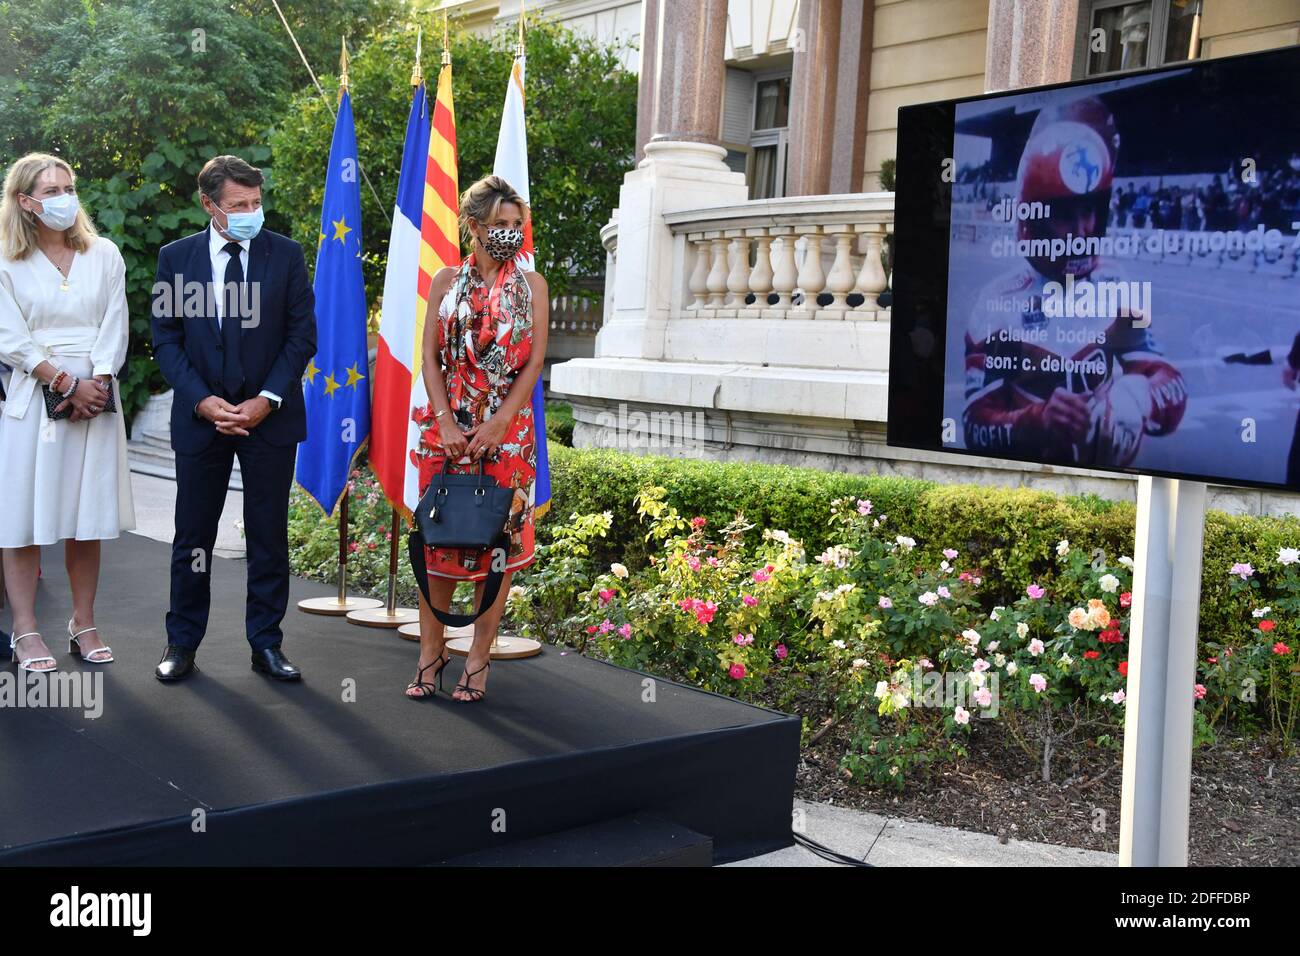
491,588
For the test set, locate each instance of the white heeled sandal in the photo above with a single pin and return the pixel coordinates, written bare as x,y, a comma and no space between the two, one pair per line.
25,664
74,647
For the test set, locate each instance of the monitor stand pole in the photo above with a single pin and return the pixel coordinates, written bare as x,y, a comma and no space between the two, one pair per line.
1156,790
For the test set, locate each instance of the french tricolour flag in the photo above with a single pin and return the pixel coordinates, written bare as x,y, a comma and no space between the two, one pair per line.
512,165
423,240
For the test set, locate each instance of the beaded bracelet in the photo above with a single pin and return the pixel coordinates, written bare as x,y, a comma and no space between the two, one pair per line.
71,388
54,385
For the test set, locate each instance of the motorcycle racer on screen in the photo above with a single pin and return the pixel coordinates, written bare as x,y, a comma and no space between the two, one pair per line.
1080,386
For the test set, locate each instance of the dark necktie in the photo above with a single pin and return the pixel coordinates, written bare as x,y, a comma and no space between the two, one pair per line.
232,364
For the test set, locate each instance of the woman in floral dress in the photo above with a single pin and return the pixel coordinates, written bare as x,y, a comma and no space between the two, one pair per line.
484,346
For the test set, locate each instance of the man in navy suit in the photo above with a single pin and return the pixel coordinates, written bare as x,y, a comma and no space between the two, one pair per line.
234,327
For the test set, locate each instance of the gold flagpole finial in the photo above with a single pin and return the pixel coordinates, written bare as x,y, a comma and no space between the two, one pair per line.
343,69
417,75
446,40
519,49
1194,45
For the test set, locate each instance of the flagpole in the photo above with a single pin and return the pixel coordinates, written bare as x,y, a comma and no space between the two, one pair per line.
341,603
390,615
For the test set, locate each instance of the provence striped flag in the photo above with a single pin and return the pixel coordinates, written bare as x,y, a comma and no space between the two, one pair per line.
337,394
423,239
512,165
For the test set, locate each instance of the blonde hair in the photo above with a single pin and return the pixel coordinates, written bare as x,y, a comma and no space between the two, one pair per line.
482,200
18,226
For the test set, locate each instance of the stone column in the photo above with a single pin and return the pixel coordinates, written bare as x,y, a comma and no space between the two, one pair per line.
683,168
812,98
691,72
1030,43
645,90
852,87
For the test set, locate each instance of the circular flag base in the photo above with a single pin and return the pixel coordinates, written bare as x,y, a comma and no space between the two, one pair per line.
507,647
379,617
336,608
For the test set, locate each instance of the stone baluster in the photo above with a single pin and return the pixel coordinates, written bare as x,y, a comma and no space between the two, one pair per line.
700,275
738,277
717,281
760,277
812,277
785,276
871,279
841,280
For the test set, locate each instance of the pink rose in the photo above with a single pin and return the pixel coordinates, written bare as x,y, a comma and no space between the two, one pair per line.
749,600
781,652
1035,592
737,671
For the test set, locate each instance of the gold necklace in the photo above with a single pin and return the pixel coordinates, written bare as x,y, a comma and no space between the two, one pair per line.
63,273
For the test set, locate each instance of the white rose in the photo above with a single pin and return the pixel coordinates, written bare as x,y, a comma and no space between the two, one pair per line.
1022,629
1126,561
1062,548
1288,555
882,689
620,571
1012,668
1109,583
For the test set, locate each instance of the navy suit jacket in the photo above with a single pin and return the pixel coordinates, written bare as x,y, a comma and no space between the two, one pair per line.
275,351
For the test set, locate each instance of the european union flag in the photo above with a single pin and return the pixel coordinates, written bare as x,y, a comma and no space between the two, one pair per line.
337,383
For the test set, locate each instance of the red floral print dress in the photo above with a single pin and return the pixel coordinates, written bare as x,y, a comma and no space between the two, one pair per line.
486,336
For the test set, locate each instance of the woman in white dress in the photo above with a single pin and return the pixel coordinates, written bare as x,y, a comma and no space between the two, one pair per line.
63,324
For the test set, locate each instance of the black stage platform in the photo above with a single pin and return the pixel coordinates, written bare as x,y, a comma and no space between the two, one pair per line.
294,774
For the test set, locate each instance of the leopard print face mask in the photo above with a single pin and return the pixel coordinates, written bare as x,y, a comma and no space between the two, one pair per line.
504,244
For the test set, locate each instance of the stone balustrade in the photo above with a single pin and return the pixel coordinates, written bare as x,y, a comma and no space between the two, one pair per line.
814,257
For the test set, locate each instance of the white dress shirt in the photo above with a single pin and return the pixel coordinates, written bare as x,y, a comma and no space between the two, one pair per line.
220,257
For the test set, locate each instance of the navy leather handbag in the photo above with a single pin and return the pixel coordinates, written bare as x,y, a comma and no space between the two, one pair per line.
462,511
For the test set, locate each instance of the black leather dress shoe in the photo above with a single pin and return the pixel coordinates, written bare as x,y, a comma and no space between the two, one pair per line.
177,663
275,665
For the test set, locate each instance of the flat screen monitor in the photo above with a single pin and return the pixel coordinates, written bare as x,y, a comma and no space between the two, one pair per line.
1105,274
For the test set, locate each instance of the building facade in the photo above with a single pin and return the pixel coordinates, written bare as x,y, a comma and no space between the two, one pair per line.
746,289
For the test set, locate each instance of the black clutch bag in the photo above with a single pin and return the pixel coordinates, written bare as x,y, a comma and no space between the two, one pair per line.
53,400
461,511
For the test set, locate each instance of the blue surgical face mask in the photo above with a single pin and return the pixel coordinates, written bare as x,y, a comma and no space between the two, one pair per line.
59,212
241,226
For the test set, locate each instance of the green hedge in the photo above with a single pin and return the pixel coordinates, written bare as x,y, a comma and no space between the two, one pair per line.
1010,534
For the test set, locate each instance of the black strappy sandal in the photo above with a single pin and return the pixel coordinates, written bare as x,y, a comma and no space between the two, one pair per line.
427,690
476,693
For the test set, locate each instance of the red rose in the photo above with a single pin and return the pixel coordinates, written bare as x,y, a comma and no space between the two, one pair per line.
1123,668
1267,625
1279,648
1091,655
1126,599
